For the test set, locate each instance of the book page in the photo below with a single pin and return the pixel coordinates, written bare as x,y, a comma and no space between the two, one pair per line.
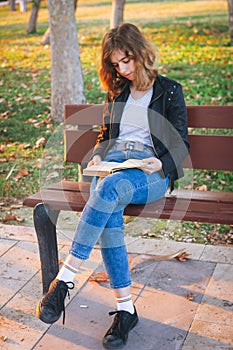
106,168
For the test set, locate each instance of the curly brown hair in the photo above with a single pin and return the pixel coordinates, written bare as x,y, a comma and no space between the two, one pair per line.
128,39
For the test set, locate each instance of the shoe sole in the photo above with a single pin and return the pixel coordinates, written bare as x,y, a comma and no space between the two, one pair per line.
111,347
43,318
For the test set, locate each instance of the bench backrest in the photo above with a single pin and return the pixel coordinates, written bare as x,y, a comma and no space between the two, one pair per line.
207,151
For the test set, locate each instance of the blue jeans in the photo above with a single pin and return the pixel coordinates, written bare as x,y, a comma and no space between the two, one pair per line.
102,217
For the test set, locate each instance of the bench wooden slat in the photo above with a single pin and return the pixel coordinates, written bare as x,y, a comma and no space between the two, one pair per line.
83,114
83,190
213,152
78,145
203,206
214,196
206,151
67,185
213,117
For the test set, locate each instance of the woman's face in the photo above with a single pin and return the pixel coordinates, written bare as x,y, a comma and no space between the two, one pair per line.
124,65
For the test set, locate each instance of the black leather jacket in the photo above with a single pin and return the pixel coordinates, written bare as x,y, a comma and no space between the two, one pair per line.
169,134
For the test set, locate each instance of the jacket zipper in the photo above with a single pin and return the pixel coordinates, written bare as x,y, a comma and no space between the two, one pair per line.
111,126
155,99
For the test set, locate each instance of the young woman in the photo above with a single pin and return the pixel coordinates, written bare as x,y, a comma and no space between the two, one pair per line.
144,118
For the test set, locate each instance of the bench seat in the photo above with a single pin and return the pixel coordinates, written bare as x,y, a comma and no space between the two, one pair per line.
188,205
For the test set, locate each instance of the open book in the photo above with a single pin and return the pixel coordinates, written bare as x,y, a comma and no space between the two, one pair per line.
106,168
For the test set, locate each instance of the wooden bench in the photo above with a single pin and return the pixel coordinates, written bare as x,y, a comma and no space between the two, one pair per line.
81,129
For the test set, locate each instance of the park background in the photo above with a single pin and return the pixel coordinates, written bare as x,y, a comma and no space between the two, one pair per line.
193,41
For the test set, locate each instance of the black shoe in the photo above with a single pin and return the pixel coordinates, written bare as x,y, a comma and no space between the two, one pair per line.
117,335
49,309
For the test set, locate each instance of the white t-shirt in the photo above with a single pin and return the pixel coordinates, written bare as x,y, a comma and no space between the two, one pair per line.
134,122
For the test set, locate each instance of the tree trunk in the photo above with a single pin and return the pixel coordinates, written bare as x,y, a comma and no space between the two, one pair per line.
117,14
230,10
31,28
23,5
66,71
12,5
46,37
75,4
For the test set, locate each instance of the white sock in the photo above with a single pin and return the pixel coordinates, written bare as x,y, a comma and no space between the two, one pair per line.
125,304
67,273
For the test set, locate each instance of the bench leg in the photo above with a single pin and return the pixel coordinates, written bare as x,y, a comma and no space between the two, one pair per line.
45,220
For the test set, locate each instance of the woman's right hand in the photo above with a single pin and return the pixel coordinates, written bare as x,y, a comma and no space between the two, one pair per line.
95,160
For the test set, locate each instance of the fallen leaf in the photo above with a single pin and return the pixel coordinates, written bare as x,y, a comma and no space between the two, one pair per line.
201,188
26,156
36,123
19,219
32,121
127,219
189,23
99,277
39,163
52,175
19,98
22,173
206,31
189,187
190,296
40,142
148,234
2,148
24,146
5,114
9,208
57,166
16,206
3,338
60,262
181,255
24,86
223,182
197,96
89,86
11,217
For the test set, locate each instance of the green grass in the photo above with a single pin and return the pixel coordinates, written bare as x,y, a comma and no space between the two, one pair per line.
193,42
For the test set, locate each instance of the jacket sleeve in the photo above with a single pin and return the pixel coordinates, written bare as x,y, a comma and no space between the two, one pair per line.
176,140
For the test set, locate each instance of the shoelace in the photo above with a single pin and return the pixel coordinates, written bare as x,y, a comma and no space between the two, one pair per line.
70,285
118,325
114,312
57,299
114,327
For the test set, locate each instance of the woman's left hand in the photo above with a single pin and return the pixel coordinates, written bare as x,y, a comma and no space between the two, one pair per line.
151,165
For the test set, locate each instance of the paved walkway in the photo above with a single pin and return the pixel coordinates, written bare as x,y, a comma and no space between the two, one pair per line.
182,305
